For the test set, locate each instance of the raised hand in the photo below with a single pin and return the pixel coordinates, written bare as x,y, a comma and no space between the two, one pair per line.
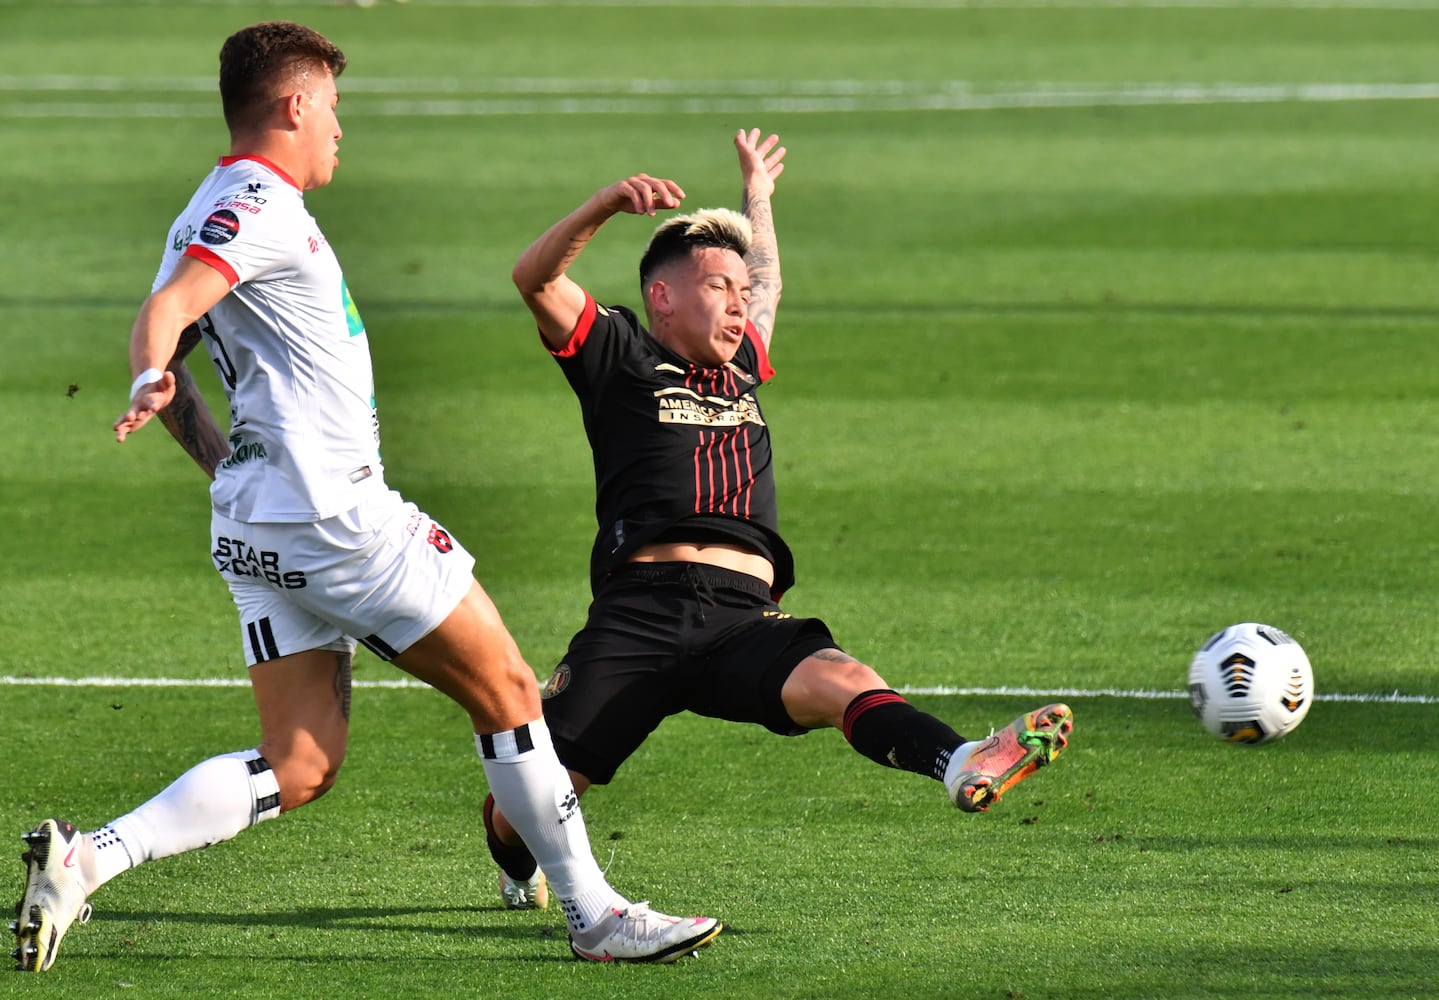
642,195
760,163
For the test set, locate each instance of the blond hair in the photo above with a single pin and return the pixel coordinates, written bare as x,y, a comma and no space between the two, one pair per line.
681,235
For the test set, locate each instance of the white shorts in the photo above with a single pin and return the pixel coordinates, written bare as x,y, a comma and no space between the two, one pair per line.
384,574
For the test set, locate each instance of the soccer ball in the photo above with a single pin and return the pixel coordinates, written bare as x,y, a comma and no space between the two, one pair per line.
1250,683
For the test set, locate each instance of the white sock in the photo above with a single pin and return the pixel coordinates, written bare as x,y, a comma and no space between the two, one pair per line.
957,761
209,803
533,790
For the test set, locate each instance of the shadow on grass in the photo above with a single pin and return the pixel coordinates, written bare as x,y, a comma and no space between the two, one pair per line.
1300,842
331,917
489,920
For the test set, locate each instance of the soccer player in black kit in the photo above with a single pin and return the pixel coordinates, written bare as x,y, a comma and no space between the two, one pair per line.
688,564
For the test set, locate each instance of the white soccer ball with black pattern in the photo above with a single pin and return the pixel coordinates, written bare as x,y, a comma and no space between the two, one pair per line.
1250,683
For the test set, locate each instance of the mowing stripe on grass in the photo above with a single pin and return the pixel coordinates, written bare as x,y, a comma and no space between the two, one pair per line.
1394,697
888,5
561,96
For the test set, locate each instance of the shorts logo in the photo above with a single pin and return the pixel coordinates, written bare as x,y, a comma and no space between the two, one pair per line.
238,558
221,227
559,680
440,539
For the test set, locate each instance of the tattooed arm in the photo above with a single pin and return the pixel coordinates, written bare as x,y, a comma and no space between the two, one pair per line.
165,319
760,164
187,417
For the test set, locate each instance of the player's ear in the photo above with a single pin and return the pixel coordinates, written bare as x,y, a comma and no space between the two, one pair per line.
293,108
659,296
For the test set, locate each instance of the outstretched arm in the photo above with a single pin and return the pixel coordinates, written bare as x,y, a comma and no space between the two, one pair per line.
164,332
554,299
760,165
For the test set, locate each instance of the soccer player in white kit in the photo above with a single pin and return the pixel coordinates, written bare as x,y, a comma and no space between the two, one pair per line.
317,551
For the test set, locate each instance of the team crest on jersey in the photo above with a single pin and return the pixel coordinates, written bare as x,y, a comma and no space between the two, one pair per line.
743,375
221,227
559,680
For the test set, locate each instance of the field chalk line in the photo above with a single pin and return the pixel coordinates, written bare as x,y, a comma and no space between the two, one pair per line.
1393,698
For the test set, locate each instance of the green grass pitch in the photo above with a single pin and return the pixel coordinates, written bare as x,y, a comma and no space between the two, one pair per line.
1105,325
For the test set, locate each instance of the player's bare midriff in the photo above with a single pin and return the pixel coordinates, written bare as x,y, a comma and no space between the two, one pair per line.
735,557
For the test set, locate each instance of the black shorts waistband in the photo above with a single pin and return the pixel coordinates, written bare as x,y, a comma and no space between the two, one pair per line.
691,573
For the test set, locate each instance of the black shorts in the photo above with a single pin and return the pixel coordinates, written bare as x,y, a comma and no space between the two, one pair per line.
665,638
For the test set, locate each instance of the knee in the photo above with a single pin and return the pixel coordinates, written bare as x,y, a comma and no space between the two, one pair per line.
304,777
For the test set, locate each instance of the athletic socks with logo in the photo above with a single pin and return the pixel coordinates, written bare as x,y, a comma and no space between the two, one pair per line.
888,730
534,792
209,803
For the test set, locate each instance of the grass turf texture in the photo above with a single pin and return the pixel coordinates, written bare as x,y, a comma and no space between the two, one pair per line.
1062,390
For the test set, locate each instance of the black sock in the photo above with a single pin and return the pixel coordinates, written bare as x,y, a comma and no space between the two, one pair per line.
518,863
890,731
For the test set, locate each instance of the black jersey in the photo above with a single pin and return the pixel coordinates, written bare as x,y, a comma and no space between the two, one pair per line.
681,451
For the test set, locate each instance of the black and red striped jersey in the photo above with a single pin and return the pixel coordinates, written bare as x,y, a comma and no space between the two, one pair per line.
681,451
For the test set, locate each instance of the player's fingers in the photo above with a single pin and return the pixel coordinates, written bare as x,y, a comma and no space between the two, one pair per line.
670,194
636,191
657,193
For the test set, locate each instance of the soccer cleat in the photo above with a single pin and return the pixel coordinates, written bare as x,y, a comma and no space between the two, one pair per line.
529,894
54,895
636,933
977,780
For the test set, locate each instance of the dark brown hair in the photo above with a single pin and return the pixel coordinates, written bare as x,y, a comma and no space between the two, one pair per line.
257,61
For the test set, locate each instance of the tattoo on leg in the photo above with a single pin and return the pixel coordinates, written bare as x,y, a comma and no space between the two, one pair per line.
342,683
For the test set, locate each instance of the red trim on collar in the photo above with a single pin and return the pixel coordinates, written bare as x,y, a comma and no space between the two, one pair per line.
225,161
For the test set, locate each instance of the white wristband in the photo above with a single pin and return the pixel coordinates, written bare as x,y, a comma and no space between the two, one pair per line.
143,379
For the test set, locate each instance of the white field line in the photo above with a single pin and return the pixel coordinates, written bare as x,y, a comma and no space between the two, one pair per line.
1143,694
452,97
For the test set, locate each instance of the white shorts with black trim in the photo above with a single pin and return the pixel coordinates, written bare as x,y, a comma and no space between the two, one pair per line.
384,574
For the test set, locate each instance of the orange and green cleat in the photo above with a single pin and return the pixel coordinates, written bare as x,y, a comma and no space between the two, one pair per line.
979,775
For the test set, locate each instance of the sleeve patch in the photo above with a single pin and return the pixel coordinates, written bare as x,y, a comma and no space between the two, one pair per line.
221,227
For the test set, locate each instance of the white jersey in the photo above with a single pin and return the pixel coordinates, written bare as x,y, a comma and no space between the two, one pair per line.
289,346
